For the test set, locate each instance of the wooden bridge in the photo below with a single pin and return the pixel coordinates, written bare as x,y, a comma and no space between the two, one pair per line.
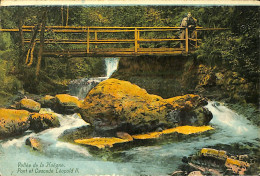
70,41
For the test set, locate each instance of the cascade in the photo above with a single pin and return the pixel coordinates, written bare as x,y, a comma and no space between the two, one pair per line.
80,87
111,66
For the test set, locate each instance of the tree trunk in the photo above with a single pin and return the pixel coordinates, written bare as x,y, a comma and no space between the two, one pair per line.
62,18
67,18
21,34
32,41
21,37
38,67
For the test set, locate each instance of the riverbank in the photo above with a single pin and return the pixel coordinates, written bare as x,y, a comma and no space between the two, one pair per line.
175,76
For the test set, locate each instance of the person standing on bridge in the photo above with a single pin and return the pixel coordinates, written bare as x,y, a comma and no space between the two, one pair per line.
190,23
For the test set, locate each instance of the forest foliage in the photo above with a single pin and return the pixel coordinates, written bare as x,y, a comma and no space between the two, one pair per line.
236,49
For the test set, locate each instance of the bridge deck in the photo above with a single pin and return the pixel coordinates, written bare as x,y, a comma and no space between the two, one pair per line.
115,52
83,41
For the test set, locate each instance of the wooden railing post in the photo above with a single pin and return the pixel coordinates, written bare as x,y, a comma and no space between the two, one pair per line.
186,40
88,41
96,39
136,39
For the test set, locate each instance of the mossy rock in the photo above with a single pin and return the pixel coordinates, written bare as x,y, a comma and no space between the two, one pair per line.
66,104
39,122
121,106
29,105
78,133
47,101
13,122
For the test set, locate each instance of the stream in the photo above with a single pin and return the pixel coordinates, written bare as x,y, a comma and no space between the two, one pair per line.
61,158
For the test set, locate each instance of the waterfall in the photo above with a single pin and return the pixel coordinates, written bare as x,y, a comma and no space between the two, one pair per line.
81,87
111,65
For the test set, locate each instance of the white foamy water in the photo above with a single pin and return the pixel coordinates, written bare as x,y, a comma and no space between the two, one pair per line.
147,160
111,65
81,87
232,124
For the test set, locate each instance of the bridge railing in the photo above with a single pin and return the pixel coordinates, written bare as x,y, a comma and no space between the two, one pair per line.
114,40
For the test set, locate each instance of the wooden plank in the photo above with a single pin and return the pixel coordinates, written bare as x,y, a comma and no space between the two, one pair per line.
79,40
71,41
136,40
88,41
107,27
138,37
112,50
187,40
65,29
92,28
83,42
157,30
115,54
96,38
83,30
158,40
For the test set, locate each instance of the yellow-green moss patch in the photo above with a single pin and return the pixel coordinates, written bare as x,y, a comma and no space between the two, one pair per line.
188,129
181,129
68,99
30,105
13,122
101,142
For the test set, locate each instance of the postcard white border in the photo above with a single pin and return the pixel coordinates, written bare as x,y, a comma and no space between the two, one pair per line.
130,2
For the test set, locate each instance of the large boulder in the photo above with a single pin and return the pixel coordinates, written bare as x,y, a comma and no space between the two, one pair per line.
13,122
29,105
121,106
39,122
66,104
47,101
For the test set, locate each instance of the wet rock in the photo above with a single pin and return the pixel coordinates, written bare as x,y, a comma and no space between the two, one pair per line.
66,104
29,105
47,101
35,143
195,173
13,122
123,135
70,135
122,106
39,122
178,173
215,162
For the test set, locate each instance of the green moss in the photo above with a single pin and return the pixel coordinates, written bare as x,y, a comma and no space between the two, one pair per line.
79,133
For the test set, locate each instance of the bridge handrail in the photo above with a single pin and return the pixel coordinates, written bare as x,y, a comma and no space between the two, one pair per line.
135,38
